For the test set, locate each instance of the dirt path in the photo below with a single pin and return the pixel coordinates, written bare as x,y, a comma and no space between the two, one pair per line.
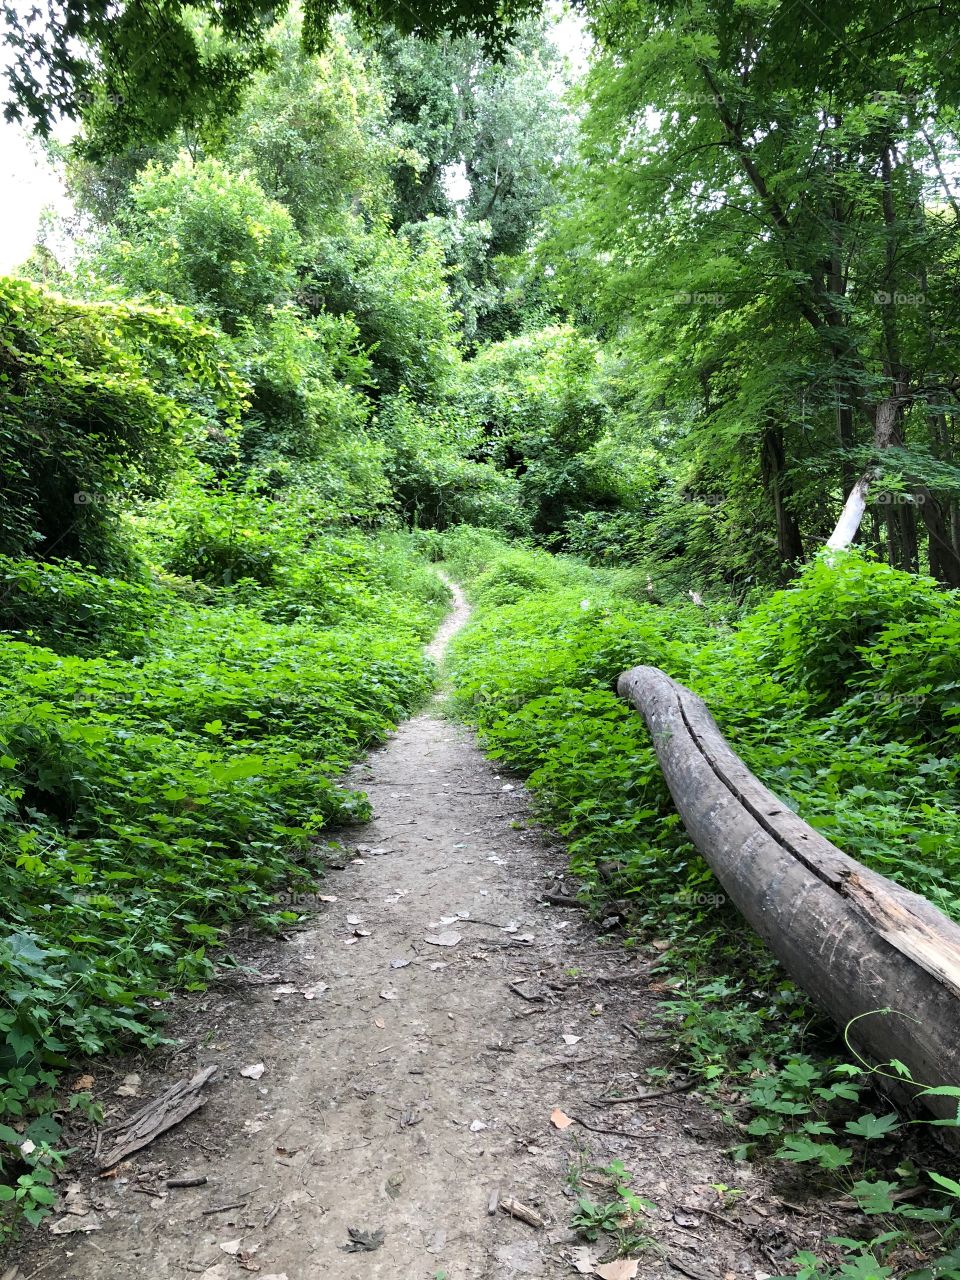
419,1078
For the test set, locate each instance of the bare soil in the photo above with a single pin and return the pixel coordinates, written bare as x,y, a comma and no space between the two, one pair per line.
407,1086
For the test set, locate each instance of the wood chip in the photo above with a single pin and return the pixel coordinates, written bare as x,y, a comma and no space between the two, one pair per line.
178,1102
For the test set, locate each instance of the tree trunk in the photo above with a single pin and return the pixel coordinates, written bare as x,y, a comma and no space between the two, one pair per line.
777,483
886,432
861,946
942,550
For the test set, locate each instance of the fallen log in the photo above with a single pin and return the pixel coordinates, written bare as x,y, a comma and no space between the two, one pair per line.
854,941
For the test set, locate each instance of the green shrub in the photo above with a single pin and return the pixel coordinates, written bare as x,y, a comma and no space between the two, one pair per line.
222,542
206,237
817,632
95,401
72,609
607,537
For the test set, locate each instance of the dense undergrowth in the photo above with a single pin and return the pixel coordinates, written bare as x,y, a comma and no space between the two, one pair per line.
169,754
841,695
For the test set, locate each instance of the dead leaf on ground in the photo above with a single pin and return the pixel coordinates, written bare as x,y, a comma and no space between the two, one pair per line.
379,1022
446,939
686,1219
362,1241
71,1224
230,1246
559,1119
253,1072
399,963
82,1082
437,1242
130,1087
622,1269
572,1039
583,1260
327,897
477,1126
219,1271
76,1200
354,919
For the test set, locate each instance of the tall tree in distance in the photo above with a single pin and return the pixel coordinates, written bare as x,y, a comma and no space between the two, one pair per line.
481,143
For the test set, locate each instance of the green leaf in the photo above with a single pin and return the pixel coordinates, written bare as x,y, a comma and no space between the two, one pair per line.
870,1126
948,1184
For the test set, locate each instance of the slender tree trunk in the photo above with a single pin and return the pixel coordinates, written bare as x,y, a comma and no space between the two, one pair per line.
846,431
777,483
876,537
939,514
909,551
942,549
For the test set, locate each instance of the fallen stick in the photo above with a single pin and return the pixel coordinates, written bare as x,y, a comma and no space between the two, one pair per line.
644,1097
617,1133
517,1210
137,1132
187,1182
524,995
561,900
223,1208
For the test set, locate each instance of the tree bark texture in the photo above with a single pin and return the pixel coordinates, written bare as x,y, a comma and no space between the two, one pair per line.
853,940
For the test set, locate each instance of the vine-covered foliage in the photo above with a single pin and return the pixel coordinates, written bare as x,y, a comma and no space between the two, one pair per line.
96,400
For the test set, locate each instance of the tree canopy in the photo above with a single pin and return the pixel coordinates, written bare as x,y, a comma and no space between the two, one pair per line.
141,70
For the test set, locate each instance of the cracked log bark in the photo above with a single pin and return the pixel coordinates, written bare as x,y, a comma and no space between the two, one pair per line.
852,939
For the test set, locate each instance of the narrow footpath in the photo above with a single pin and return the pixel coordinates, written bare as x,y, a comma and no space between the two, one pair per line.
388,1077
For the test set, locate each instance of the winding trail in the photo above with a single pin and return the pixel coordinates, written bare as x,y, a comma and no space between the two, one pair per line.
416,1080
